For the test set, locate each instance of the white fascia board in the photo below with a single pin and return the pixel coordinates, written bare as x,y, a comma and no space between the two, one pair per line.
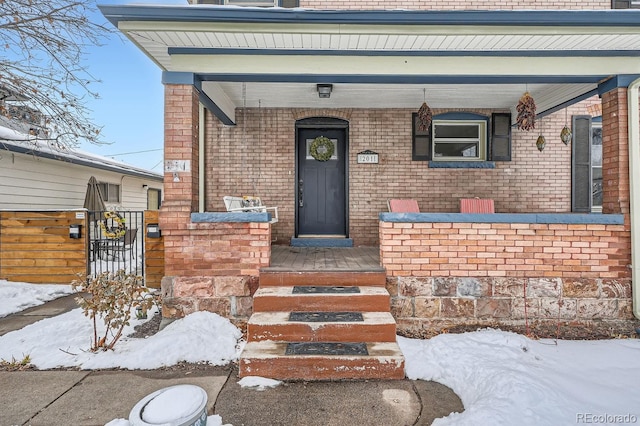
369,29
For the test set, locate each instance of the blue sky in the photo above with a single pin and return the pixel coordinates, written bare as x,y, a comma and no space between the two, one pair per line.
130,108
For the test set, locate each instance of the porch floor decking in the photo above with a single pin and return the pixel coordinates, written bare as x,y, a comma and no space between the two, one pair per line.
326,259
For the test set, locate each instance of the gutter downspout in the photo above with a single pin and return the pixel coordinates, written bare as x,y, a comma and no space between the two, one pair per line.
201,200
634,179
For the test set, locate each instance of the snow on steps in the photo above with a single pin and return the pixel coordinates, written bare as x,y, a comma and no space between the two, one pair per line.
270,330
268,359
376,327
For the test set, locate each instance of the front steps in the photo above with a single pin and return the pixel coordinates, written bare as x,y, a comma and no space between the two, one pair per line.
322,326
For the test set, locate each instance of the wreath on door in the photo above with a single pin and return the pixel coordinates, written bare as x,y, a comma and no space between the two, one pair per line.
322,148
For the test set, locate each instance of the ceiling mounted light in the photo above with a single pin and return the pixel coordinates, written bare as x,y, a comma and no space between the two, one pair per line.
324,90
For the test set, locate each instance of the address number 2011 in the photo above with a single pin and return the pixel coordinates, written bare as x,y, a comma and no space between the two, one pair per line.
367,158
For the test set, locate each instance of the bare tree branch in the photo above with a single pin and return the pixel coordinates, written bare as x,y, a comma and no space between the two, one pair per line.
44,82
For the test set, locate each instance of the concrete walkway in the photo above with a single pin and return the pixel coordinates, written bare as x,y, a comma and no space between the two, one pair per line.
72,397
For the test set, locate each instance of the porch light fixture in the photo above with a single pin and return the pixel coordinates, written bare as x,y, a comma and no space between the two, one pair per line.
324,90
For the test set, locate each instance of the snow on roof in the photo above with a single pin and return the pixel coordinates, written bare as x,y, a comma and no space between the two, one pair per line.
15,141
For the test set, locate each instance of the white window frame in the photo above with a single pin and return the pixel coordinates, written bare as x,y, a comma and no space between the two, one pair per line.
481,140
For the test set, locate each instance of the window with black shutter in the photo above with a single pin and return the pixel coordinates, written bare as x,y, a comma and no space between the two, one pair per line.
625,4
500,137
581,186
421,141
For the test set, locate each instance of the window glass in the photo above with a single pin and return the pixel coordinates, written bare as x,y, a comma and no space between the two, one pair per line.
456,149
456,131
596,167
153,199
110,192
459,140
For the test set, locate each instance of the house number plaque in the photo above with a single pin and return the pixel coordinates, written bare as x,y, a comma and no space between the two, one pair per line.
367,157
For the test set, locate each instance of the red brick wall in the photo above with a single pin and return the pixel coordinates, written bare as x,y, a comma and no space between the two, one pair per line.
615,152
512,250
208,266
445,275
214,267
257,157
457,4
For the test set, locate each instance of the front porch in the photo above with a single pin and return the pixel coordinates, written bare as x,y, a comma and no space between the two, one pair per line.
333,259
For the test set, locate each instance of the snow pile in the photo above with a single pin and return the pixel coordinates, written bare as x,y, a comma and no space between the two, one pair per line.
505,378
16,296
63,341
260,383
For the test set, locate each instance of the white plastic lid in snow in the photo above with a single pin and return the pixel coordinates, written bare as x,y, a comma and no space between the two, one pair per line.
175,403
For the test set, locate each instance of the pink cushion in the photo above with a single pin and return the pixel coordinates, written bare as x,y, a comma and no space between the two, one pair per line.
476,205
403,206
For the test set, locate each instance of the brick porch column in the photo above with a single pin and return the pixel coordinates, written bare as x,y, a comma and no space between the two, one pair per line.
615,153
180,143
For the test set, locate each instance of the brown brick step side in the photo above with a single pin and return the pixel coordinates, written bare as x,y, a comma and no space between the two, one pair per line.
275,278
282,299
267,359
376,327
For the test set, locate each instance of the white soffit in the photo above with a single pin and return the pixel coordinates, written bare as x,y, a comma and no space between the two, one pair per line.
305,95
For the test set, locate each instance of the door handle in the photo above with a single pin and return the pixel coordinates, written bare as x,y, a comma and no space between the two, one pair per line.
300,193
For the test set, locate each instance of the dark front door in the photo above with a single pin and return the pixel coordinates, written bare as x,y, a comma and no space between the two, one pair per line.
321,185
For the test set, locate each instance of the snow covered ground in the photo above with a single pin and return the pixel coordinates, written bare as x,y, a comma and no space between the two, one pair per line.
502,378
16,297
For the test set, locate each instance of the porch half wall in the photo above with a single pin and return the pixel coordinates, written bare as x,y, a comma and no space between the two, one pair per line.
460,270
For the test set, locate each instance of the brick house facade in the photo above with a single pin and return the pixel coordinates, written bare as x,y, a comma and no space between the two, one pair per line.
444,268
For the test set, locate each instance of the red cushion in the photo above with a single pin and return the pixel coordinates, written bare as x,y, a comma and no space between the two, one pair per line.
404,206
476,205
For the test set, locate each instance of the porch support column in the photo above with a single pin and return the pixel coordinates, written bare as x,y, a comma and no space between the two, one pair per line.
615,153
181,177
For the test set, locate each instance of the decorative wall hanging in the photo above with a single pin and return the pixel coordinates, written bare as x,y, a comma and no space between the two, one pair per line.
322,148
526,118
424,114
541,142
565,133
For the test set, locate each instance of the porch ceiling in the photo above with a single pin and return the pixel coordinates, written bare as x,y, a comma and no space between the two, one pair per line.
476,59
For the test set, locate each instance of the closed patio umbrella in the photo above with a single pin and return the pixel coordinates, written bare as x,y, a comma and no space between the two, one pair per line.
93,200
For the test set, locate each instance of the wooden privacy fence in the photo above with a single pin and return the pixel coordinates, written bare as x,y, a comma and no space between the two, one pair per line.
36,247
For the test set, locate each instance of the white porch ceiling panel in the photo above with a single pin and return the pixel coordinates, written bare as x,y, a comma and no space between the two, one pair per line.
256,52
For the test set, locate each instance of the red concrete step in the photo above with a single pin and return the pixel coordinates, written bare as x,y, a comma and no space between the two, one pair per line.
279,278
268,359
376,327
282,299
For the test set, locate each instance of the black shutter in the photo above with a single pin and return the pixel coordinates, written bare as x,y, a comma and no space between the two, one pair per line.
289,3
500,136
581,164
421,141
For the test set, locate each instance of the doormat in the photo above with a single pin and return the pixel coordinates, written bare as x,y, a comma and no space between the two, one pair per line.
326,316
326,348
321,289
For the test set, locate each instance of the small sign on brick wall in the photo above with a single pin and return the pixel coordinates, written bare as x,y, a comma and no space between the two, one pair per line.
368,157
177,166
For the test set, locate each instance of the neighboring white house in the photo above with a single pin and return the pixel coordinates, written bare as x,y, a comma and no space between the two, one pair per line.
33,175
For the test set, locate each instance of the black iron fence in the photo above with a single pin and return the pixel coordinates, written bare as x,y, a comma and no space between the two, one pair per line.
116,241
